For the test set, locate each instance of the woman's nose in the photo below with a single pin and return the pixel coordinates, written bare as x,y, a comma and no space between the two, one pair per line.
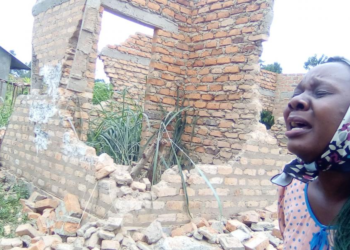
298,103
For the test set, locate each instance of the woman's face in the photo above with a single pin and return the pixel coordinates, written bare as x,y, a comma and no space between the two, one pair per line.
316,109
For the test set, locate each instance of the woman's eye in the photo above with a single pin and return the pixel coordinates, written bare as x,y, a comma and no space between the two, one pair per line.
321,93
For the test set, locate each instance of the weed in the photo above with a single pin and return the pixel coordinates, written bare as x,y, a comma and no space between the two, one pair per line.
11,208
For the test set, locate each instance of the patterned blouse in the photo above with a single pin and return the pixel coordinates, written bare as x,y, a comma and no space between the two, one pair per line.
298,224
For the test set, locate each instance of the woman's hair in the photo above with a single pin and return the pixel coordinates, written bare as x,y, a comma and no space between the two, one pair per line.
338,59
341,237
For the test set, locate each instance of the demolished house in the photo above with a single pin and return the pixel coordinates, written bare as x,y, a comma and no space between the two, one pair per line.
206,51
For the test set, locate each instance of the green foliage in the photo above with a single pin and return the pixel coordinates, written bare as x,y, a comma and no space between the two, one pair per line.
102,92
267,118
275,67
314,61
116,130
11,208
6,106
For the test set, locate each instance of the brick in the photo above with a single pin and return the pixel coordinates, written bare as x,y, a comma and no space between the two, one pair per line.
258,242
216,133
200,104
193,96
223,14
238,59
211,44
210,61
225,124
169,101
207,36
252,7
226,41
207,97
261,37
153,6
71,203
233,225
231,49
248,29
226,106
231,69
213,106
168,12
216,6
27,229
223,60
47,203
215,87
242,20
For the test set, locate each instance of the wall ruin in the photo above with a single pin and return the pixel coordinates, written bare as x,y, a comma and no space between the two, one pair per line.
209,50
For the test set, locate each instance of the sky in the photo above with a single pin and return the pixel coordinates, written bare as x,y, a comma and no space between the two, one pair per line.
300,29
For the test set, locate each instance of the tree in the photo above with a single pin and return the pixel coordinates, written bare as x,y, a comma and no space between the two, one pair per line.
274,67
314,61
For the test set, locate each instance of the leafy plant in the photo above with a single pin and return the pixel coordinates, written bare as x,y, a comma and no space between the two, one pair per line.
102,92
314,61
267,118
273,67
116,130
11,208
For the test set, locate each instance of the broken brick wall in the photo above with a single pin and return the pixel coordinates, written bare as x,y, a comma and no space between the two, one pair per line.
127,65
208,50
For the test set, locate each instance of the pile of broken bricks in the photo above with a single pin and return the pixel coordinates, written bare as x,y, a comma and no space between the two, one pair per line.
55,224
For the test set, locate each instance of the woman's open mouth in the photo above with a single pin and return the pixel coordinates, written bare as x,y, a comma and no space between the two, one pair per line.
297,127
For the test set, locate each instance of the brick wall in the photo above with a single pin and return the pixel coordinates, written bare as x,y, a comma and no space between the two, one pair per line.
124,70
267,83
67,165
209,50
286,84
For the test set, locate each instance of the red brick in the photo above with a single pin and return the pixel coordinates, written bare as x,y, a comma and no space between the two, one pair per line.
162,1
231,49
180,17
223,60
199,63
163,33
223,14
207,79
154,81
242,20
231,69
211,44
215,87
152,98
169,101
228,4
167,59
207,97
248,29
153,6
234,96
221,34
168,77
220,97
193,96
237,59
243,1
252,7
185,10
204,71
202,88
174,69
213,25
200,104
216,52
211,17
222,79
159,66
210,61
216,133
235,32
141,2
226,41
161,50
208,36
225,106
216,6
225,124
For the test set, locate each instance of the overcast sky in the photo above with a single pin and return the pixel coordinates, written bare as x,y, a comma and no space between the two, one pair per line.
300,29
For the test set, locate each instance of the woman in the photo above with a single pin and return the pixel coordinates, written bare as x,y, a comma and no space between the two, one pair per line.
314,204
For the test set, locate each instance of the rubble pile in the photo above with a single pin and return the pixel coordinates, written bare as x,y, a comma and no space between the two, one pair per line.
55,224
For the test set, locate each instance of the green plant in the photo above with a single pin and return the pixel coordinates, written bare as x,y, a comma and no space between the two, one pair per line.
11,208
102,92
116,130
267,118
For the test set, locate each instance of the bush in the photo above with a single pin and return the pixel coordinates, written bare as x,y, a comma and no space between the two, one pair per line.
267,118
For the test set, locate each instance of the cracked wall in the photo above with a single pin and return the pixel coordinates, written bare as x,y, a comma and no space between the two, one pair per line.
207,49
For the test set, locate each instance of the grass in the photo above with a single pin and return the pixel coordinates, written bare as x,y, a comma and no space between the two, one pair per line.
267,119
11,208
102,92
116,130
